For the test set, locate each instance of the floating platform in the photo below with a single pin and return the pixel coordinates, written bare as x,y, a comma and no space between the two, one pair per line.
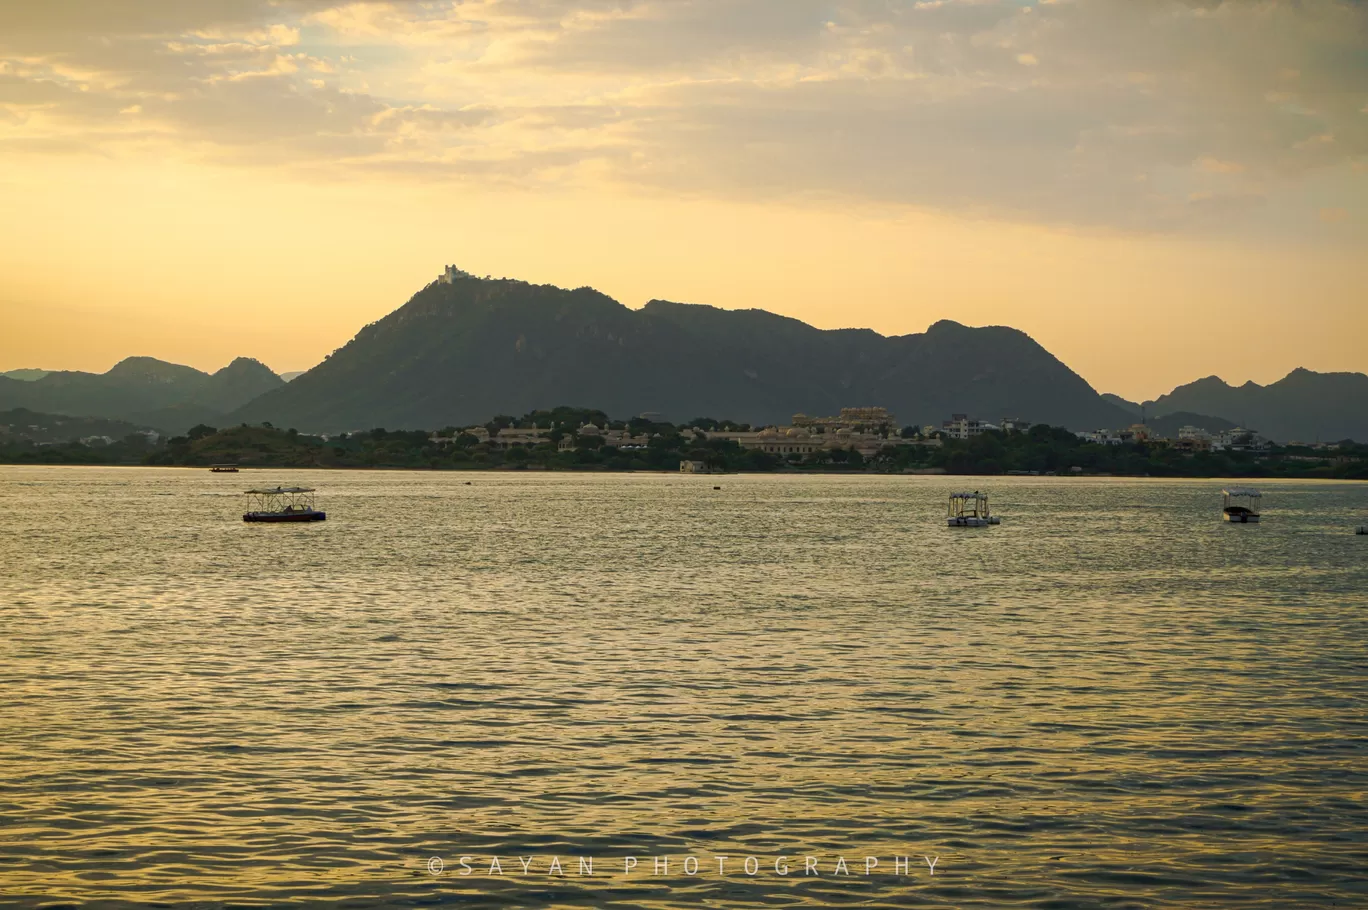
970,510
276,505
969,521
1238,507
1241,518
300,515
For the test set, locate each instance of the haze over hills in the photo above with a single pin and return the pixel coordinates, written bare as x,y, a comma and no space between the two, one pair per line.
1304,405
25,375
23,424
460,352
1130,407
144,391
1169,424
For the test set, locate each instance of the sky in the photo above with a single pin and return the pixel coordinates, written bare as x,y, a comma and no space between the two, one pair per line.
1155,190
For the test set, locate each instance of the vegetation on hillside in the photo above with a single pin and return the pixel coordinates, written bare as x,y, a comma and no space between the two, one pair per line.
1042,449
457,352
1046,449
144,391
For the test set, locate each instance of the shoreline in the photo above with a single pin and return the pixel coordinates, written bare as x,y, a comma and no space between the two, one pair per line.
603,469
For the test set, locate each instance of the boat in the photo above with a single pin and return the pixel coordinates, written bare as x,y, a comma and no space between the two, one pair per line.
970,510
1363,529
277,504
1241,505
223,468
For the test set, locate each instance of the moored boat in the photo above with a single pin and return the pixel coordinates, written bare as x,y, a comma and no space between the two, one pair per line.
970,510
1240,505
223,468
282,504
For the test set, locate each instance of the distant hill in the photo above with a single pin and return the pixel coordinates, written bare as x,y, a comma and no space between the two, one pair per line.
237,383
22,424
1130,407
1303,405
292,375
25,375
1170,424
143,390
460,353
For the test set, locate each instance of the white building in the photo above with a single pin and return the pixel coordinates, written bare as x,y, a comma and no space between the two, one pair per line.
961,426
1238,439
512,436
801,441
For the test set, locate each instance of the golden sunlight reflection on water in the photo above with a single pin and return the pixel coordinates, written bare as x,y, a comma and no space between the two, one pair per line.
1110,700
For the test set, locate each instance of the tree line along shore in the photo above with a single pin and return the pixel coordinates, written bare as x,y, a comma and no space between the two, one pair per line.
566,445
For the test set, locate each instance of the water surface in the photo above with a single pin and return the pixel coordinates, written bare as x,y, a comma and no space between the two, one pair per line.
1110,700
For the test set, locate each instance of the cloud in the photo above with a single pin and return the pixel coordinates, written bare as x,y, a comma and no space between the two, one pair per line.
1217,166
1144,114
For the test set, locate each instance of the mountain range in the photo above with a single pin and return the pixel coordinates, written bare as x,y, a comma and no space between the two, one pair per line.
465,349
1303,406
143,391
460,352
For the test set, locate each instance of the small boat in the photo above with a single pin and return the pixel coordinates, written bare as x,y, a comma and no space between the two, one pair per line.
223,468
1363,529
970,510
278,504
1240,505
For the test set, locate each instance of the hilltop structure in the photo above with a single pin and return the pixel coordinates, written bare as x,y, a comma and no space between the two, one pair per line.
451,274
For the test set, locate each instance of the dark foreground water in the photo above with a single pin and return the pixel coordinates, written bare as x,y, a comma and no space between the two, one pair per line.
1111,700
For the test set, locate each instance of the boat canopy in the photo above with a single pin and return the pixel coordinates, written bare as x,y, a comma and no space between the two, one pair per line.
1242,491
277,491
973,495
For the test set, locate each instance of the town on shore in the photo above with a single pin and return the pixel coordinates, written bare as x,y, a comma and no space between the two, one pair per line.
858,439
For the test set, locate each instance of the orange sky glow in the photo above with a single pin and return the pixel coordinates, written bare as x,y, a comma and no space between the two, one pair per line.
264,178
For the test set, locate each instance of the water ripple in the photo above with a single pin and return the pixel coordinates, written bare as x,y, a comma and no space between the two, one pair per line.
1110,701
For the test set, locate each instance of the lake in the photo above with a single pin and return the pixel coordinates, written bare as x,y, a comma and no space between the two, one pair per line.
1113,699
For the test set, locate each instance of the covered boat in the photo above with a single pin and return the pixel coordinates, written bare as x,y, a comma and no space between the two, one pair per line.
1241,505
970,510
277,504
